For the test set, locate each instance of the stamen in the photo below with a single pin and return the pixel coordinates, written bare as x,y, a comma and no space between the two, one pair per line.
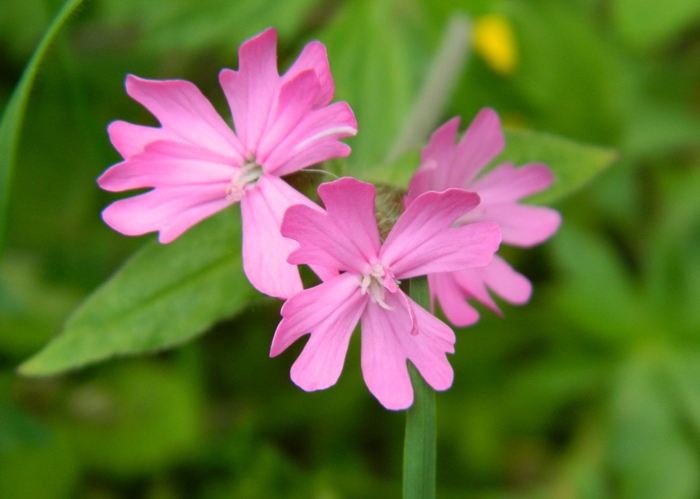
245,176
374,285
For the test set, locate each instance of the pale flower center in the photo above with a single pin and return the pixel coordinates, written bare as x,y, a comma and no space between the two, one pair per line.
374,284
245,176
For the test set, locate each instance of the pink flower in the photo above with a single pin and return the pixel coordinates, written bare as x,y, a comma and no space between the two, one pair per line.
198,166
449,165
394,327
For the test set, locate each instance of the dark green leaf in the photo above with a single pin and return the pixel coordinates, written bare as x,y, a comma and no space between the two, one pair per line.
163,296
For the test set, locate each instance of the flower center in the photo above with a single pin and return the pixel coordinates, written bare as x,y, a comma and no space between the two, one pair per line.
245,176
376,282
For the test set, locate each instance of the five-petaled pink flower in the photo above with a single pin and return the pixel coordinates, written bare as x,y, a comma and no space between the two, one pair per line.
394,327
448,165
197,165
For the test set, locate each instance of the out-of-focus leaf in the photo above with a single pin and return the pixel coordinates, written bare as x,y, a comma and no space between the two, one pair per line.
31,309
648,23
571,76
371,70
597,291
659,129
163,296
47,469
574,164
196,25
396,173
21,25
17,428
684,370
648,448
13,115
136,419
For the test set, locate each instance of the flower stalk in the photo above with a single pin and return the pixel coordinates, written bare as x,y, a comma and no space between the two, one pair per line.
420,453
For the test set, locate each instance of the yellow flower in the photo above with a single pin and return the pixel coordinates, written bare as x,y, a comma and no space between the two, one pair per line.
494,41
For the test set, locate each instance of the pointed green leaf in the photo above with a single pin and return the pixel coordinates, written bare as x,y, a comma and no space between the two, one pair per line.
12,117
163,296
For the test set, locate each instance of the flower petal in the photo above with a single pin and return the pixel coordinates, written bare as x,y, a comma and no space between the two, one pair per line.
185,115
168,164
329,312
314,139
314,56
295,100
422,241
387,342
498,276
453,298
265,251
456,165
169,210
345,237
129,139
252,89
505,183
521,225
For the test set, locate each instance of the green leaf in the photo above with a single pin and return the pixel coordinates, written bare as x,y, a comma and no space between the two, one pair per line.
647,23
574,164
163,296
12,117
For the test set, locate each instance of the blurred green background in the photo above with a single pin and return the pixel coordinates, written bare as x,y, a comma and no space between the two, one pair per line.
590,391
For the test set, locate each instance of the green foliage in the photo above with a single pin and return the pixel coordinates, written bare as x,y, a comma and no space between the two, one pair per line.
13,114
163,296
591,390
646,24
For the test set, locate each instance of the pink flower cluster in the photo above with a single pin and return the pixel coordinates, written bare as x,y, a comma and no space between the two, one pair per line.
452,225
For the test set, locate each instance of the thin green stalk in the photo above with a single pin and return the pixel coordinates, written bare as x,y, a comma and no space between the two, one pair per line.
443,76
419,452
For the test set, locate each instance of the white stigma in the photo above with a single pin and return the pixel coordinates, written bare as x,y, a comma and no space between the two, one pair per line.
246,175
373,284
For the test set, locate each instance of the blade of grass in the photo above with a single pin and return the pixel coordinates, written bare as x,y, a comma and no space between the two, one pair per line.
13,116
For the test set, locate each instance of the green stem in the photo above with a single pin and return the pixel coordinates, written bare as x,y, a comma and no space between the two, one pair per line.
419,454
